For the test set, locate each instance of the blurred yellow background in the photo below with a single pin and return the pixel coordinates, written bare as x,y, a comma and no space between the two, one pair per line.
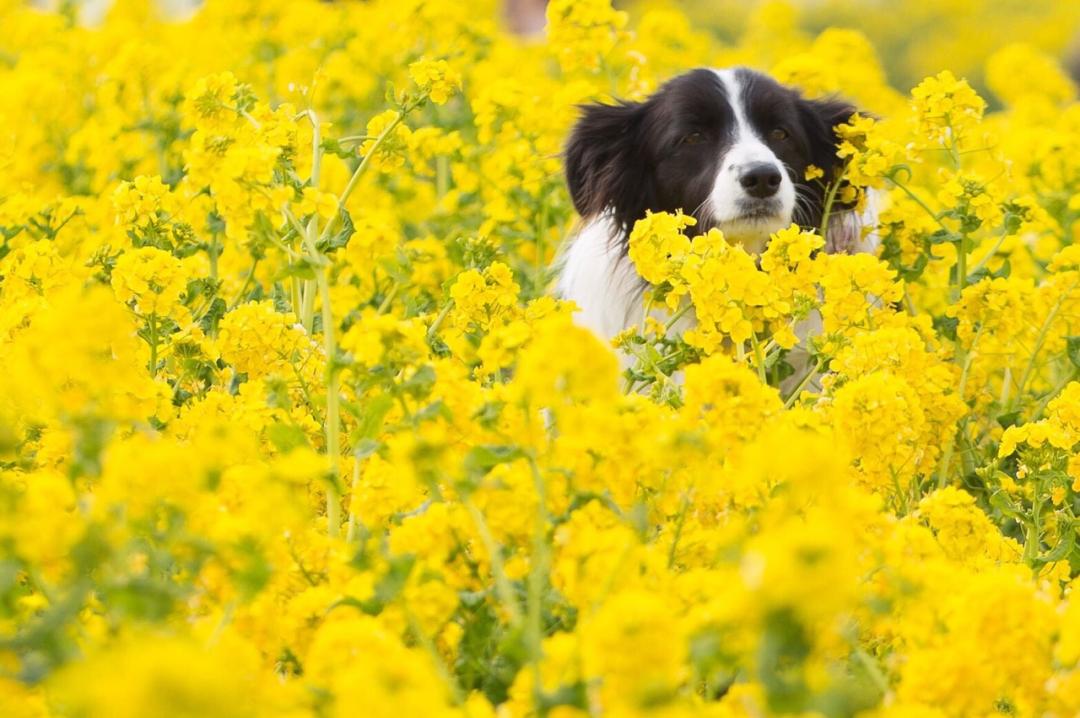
914,38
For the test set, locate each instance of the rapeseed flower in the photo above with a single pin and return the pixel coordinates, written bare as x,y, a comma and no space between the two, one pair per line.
290,425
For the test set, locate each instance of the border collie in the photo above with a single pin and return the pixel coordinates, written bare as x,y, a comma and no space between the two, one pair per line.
731,147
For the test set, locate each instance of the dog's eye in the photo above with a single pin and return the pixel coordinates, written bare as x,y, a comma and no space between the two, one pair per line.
694,138
779,134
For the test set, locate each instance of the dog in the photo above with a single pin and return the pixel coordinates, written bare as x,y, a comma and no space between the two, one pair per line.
731,147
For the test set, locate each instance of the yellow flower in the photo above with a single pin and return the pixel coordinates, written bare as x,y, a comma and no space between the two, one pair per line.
583,33
947,109
480,298
139,202
314,201
258,341
210,101
152,281
394,143
658,245
244,475
436,78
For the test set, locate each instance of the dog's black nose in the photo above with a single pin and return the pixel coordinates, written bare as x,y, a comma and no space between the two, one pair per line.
760,180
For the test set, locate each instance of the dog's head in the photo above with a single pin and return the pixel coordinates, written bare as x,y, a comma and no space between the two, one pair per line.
730,147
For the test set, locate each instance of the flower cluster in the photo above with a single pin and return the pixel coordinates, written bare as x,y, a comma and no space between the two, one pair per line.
291,425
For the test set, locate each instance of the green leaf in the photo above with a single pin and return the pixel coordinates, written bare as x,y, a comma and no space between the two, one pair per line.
1009,419
251,570
1012,222
301,269
946,326
943,236
340,238
286,437
573,694
431,411
421,382
984,273
334,147
213,315
368,606
365,448
1004,503
481,459
372,415
393,581
488,414
1072,349
1063,548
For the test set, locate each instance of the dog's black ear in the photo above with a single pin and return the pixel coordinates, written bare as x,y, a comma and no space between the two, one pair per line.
820,118
603,168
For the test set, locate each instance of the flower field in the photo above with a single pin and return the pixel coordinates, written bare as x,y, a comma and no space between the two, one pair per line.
291,425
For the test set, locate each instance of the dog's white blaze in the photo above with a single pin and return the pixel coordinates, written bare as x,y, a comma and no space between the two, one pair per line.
747,149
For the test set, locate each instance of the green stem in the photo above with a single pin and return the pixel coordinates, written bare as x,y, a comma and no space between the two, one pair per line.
541,247
673,551
442,176
354,520
153,344
307,307
961,266
990,255
316,147
872,670
245,285
535,589
333,416
759,359
1070,376
917,200
644,362
1031,535
503,590
294,297
826,213
966,357
321,283
212,252
389,298
353,139
434,328
289,251
677,316
344,197
802,383
247,116
1040,339
437,659
329,330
